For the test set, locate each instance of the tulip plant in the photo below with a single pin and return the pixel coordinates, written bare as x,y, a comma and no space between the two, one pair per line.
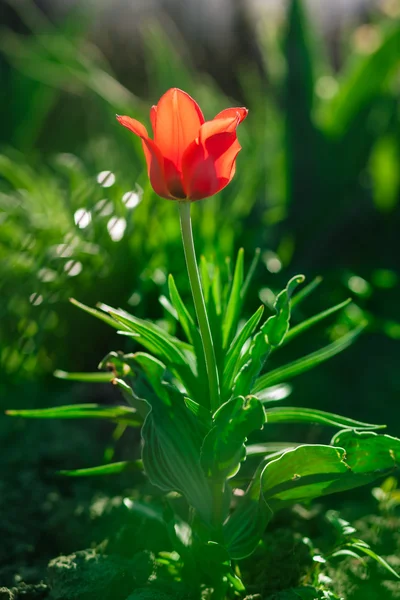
199,399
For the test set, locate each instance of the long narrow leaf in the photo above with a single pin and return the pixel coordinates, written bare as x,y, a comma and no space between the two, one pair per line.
81,411
152,337
304,325
111,469
269,448
234,302
184,316
236,347
366,550
98,314
306,362
293,414
306,291
99,377
250,273
192,333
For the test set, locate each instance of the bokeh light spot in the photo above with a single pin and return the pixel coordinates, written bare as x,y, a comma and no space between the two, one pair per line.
106,179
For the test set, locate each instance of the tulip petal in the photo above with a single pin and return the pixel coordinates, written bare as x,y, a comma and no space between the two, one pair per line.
155,168
209,162
177,122
241,112
218,126
153,119
153,156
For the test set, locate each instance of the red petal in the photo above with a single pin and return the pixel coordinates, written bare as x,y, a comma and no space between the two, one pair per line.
153,156
135,126
177,124
209,163
231,112
153,119
155,168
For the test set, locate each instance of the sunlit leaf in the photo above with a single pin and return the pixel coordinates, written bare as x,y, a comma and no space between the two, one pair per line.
223,448
88,377
110,469
235,301
119,414
360,84
172,439
304,325
275,393
366,550
235,350
294,414
99,315
306,362
307,472
271,335
266,448
305,291
185,318
250,273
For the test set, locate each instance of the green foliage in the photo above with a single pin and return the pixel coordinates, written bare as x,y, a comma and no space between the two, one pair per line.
320,137
308,472
118,414
224,445
348,545
188,450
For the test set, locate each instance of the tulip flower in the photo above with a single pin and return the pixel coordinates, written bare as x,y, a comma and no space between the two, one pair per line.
189,158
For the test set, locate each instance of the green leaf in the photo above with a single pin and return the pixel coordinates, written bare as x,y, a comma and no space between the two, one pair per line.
214,560
89,377
172,438
366,550
250,273
306,362
201,413
165,303
175,354
223,447
234,306
360,85
152,337
345,552
294,414
205,278
311,471
307,472
306,291
185,318
270,335
99,315
235,349
119,414
275,393
368,449
110,469
277,326
246,525
216,290
266,448
295,331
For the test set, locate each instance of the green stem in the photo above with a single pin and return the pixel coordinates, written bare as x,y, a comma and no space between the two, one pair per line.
199,304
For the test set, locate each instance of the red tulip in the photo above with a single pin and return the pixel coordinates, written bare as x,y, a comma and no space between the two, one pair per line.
189,158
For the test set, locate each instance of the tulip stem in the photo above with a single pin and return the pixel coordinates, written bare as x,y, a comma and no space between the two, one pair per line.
199,303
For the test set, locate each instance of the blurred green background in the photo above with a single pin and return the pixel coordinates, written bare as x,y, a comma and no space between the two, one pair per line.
317,183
